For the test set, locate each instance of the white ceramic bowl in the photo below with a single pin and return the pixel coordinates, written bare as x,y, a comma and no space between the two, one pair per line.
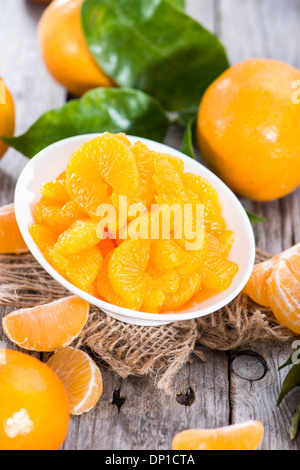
51,161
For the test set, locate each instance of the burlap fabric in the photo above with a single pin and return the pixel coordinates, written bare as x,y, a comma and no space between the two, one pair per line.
138,350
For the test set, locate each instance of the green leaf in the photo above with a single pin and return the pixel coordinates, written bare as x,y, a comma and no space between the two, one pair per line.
187,143
178,3
99,110
291,381
295,423
254,218
153,46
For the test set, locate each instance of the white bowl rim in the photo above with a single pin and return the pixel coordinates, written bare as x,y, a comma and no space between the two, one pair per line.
151,317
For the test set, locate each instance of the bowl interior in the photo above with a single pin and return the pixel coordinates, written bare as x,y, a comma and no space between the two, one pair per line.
50,162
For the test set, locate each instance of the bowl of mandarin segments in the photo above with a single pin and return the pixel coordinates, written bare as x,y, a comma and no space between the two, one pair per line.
143,280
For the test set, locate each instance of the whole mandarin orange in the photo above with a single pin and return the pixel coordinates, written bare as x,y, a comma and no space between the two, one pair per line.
34,411
65,51
7,116
248,128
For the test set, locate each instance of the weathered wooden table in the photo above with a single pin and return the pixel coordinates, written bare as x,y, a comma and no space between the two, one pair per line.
228,388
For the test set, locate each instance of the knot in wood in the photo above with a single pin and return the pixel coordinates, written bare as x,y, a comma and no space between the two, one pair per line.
249,365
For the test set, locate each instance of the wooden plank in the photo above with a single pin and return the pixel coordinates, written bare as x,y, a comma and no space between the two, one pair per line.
139,416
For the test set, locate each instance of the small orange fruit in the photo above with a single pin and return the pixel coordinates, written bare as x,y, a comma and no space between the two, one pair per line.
34,411
65,51
7,116
244,128
245,436
11,240
80,376
47,327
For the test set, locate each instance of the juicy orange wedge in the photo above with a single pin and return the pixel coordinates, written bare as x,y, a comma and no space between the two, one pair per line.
11,240
80,376
245,436
47,327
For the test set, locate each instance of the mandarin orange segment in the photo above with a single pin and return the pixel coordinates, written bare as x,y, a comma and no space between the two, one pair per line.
89,193
81,236
245,436
168,184
208,196
56,191
109,158
166,280
126,271
11,240
166,254
55,216
81,269
44,237
145,166
80,376
176,162
218,272
153,300
84,267
226,239
188,286
47,327
104,286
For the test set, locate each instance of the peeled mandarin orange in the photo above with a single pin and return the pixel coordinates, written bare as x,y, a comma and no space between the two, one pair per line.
244,128
245,436
34,411
208,196
218,271
109,158
80,236
80,376
44,237
257,287
65,51
145,166
166,254
56,191
11,240
47,327
104,287
188,286
57,216
283,287
83,268
126,271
